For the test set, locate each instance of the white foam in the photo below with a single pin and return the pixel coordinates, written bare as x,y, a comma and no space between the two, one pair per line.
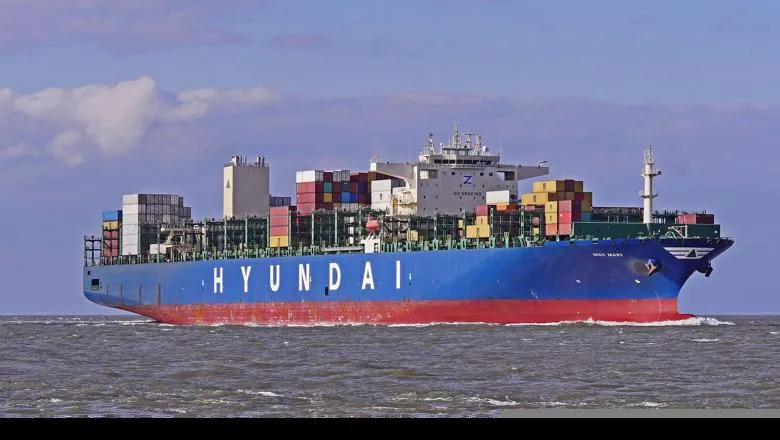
706,340
774,333
260,393
695,321
493,402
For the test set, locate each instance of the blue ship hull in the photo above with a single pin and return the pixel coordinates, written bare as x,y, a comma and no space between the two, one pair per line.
616,280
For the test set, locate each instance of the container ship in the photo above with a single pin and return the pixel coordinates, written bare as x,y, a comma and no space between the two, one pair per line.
444,239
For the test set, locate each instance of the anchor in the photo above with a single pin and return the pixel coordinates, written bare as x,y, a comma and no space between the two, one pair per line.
707,271
652,266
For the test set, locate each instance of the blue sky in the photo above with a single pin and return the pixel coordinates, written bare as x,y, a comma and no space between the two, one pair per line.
101,97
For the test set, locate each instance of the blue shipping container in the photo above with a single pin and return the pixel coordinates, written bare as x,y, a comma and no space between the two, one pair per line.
585,217
112,216
345,197
363,187
353,197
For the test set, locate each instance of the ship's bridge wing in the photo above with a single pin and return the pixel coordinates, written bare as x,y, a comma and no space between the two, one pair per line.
529,172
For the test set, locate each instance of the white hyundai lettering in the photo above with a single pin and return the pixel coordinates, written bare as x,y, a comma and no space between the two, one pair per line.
274,279
368,277
245,271
304,281
397,274
218,279
334,268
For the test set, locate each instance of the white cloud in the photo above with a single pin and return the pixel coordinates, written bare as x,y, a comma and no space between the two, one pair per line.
111,120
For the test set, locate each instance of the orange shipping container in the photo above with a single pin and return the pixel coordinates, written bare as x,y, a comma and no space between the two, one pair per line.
550,218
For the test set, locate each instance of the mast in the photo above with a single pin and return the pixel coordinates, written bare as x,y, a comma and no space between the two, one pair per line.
649,172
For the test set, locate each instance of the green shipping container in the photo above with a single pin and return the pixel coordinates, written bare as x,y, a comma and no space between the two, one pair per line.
327,187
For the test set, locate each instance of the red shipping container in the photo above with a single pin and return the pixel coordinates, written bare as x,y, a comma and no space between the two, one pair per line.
364,198
327,206
482,210
353,177
529,208
327,176
579,196
336,197
279,231
110,235
309,198
569,217
692,219
279,221
305,208
281,211
551,229
306,187
353,187
569,205
564,228
536,221
363,177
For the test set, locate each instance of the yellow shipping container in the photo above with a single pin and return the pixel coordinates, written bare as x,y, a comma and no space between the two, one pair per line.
579,186
460,223
483,220
280,241
550,218
328,198
549,186
474,231
111,226
539,198
413,236
537,231
551,207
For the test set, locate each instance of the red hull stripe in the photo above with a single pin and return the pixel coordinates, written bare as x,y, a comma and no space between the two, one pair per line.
415,312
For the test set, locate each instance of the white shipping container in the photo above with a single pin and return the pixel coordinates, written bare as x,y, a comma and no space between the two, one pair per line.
308,176
130,209
131,219
130,199
341,175
129,250
496,197
155,249
129,229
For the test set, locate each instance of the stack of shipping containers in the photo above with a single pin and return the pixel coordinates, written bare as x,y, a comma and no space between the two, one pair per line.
337,190
564,202
112,224
279,219
143,214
